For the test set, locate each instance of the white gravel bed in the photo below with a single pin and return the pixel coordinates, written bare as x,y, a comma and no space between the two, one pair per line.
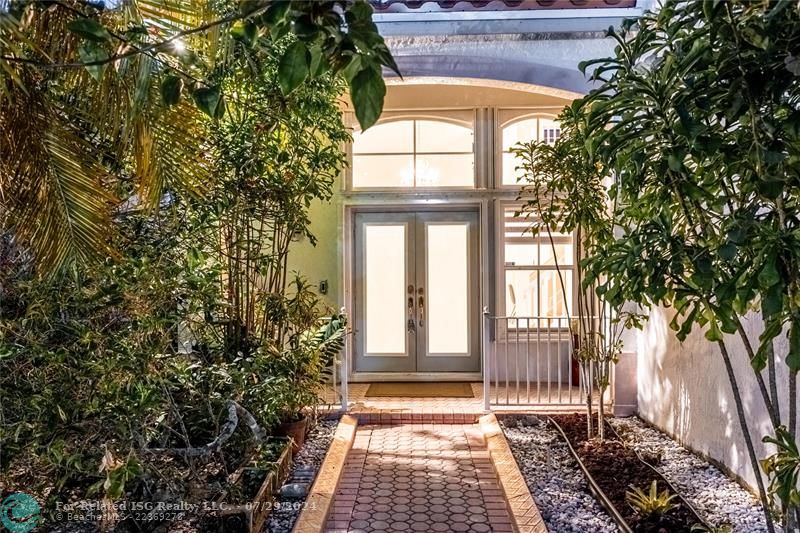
719,499
311,455
554,479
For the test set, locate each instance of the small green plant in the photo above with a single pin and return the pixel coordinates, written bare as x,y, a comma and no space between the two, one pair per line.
652,503
783,469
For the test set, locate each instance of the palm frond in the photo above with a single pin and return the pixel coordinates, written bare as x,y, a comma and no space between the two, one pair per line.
51,186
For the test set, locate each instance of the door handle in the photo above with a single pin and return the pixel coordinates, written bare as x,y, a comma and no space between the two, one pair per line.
421,307
410,325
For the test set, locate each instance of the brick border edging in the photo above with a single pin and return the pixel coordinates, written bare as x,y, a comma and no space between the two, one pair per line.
524,513
314,515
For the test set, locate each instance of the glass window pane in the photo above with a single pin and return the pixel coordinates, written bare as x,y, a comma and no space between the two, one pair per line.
521,131
511,175
520,254
552,301
438,136
549,130
521,292
383,171
563,252
537,293
448,290
455,170
384,288
390,137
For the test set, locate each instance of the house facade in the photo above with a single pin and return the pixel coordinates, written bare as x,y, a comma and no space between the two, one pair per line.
422,241
423,248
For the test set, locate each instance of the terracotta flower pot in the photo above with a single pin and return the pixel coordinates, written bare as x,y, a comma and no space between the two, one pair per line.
295,431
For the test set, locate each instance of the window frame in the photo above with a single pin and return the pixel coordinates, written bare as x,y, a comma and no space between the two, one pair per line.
461,117
504,118
503,268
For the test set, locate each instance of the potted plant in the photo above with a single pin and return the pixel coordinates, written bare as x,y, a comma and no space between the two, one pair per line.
303,369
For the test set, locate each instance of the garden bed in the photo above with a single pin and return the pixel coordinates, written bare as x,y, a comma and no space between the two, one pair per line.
289,503
553,477
718,498
614,469
563,495
250,497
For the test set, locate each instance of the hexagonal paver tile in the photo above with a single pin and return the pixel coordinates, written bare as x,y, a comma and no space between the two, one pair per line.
420,478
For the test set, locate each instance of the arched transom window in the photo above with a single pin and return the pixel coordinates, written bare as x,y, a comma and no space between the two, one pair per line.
524,130
414,153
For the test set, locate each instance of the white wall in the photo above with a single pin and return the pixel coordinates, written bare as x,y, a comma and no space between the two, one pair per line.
683,389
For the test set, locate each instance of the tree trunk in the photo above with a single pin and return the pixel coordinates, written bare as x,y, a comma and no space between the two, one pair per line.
770,399
587,379
755,465
793,404
601,430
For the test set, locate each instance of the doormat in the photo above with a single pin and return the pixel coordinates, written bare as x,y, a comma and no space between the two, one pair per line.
420,390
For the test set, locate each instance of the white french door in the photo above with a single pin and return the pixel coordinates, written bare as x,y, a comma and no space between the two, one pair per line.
416,292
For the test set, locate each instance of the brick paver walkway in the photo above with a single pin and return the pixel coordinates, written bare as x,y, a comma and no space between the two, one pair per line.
419,477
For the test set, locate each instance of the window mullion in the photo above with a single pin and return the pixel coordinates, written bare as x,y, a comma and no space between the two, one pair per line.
414,149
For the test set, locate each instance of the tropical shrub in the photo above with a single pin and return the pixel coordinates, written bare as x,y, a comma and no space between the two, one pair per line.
80,356
695,119
272,156
163,368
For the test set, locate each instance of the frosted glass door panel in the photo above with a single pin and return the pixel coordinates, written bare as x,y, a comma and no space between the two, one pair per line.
385,281
448,288
384,277
448,304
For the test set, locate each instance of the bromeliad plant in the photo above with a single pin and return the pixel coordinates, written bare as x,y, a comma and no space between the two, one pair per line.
651,503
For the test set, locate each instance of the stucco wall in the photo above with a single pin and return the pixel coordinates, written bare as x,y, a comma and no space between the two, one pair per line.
321,262
683,389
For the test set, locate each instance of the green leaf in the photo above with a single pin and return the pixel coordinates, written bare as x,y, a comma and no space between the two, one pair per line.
713,334
91,52
769,275
793,358
171,88
368,91
758,37
675,163
244,31
771,330
276,12
209,101
89,29
318,63
727,251
772,299
294,67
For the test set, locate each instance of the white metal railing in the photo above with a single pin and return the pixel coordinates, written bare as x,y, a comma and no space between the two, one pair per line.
529,360
337,394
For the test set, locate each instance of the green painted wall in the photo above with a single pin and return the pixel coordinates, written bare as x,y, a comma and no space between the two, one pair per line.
321,262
